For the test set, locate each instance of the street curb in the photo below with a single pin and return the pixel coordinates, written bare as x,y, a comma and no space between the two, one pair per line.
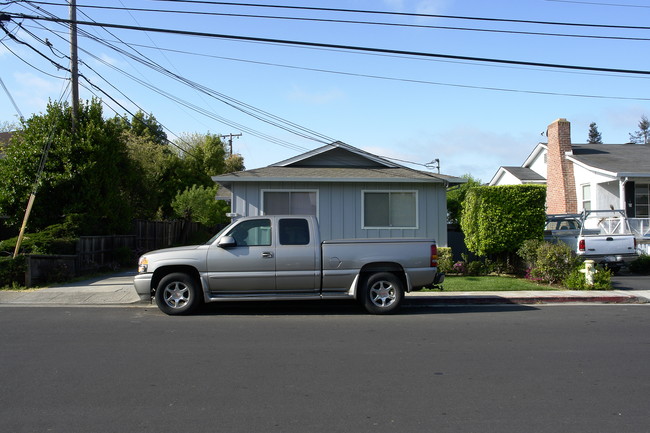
515,300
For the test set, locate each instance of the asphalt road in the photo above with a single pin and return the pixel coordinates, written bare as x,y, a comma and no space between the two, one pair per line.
325,367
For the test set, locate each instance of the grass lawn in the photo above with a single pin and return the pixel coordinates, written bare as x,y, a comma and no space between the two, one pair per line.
490,284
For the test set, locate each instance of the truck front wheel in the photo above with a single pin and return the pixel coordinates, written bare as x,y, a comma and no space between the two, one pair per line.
177,294
382,293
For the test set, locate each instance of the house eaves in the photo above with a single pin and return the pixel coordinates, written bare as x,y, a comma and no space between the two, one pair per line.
336,174
541,147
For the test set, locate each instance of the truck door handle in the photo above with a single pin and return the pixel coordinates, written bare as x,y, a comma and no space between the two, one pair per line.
609,239
267,255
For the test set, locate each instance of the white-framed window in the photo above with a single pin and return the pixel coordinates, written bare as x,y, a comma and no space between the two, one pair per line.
642,200
290,202
586,196
390,209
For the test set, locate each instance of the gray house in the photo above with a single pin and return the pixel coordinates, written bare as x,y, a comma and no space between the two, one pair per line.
353,193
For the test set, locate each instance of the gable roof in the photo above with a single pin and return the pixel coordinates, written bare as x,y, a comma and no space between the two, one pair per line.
335,155
336,162
525,174
614,159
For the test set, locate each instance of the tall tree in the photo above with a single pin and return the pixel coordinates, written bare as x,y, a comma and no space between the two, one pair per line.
86,173
642,136
595,136
456,196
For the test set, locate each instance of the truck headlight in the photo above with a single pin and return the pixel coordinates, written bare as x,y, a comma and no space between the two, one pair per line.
143,264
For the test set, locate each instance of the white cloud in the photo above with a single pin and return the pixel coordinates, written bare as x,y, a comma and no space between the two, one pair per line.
461,150
431,6
395,4
316,97
110,60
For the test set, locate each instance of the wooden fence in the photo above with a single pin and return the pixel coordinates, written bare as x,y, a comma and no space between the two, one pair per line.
98,251
101,251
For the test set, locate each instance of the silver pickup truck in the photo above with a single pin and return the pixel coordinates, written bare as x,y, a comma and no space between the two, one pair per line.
600,235
283,258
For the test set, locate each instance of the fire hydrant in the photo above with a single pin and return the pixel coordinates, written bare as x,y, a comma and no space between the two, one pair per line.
589,271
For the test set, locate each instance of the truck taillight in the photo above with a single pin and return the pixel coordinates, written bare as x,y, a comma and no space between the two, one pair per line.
434,256
581,245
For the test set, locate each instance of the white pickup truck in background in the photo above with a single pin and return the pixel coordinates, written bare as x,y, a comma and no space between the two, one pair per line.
283,258
603,236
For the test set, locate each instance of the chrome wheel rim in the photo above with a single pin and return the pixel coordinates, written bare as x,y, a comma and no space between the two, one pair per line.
382,294
176,294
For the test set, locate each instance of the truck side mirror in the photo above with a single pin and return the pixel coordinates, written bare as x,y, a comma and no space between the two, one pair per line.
227,242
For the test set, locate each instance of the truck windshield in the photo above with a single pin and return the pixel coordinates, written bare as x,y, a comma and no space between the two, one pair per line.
214,238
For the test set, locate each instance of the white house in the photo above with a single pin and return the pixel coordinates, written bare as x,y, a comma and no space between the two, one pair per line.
588,177
585,176
353,193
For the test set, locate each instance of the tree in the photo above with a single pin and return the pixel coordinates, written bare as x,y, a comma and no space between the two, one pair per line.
198,204
456,196
595,137
498,219
143,125
642,136
87,173
8,126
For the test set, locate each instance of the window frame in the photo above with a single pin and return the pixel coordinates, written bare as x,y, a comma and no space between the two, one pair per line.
288,191
638,187
415,194
584,199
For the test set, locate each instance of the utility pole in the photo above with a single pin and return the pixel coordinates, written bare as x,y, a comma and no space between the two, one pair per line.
74,64
230,136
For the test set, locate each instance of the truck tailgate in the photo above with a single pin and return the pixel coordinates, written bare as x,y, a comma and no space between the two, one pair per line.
609,245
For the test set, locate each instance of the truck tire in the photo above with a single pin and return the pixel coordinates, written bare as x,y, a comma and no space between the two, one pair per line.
178,294
382,294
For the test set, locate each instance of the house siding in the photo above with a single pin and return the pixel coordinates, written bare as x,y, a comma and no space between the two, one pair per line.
340,207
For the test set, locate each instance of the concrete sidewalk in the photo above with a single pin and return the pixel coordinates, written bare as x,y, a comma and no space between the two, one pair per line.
118,289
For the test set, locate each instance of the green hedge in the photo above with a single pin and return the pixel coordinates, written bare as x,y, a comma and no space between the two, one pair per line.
56,239
498,219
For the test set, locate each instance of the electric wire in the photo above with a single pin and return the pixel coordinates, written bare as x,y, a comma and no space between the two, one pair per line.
246,108
375,23
340,46
13,102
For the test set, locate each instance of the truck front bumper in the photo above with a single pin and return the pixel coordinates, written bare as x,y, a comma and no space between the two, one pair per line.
142,284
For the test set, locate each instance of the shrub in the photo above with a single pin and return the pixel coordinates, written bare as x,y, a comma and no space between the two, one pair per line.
56,239
576,280
641,265
475,268
460,268
12,271
550,263
445,260
528,252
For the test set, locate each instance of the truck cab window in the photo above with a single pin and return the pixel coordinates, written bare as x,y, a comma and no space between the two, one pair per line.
252,233
294,231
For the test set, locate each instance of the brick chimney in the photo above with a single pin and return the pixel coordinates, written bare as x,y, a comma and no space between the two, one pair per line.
560,181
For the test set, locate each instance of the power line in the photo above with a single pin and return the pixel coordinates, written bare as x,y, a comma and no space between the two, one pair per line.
601,4
343,47
241,106
391,24
405,14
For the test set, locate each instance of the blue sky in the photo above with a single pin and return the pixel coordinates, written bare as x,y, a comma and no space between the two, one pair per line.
472,116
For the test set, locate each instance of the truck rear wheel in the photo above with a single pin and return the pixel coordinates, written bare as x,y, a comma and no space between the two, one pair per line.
382,293
177,294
